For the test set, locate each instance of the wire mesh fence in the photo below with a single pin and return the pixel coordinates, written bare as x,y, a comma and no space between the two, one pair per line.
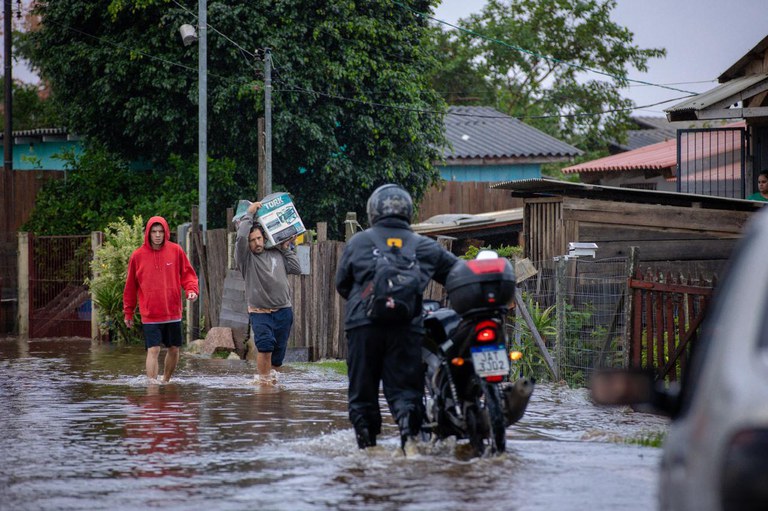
579,308
60,303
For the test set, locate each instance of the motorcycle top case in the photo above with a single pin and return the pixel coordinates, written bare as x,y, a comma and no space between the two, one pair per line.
478,285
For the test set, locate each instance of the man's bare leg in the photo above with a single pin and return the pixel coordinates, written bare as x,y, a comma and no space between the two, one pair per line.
263,366
152,354
171,359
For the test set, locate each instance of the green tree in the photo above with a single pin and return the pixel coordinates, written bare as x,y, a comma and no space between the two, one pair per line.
530,59
30,110
100,187
352,104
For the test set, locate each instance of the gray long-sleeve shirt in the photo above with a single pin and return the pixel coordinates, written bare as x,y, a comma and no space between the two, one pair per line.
265,274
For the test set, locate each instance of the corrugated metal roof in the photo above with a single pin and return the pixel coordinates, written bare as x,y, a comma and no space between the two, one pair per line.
641,138
654,129
38,132
548,187
722,92
482,132
451,224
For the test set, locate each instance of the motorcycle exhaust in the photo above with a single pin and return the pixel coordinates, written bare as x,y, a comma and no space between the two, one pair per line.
516,396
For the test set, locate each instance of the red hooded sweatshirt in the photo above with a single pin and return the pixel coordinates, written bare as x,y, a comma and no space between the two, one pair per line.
156,278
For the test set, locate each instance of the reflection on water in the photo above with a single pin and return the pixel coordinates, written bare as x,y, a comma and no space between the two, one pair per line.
81,429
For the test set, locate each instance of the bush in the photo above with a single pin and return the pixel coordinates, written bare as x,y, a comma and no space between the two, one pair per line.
109,269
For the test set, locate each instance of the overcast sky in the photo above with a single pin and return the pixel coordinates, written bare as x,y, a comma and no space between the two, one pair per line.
703,38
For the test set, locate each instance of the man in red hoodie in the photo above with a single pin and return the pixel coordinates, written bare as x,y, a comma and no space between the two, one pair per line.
157,271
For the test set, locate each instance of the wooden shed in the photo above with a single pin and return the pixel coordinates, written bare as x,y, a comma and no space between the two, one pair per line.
665,226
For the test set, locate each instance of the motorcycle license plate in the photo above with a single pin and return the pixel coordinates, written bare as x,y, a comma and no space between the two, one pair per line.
490,360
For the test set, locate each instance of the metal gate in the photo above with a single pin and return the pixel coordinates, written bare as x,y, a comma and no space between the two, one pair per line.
8,286
712,161
60,304
666,319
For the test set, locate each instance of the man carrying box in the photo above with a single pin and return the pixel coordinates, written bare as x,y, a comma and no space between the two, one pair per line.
267,292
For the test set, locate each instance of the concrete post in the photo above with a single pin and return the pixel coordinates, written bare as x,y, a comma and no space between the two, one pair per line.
96,241
23,283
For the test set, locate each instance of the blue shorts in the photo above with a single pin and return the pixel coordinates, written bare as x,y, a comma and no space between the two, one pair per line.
271,331
167,334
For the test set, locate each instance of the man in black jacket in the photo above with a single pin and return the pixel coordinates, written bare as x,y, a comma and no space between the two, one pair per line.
388,352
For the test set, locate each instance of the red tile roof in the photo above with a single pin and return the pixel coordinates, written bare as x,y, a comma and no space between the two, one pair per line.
660,156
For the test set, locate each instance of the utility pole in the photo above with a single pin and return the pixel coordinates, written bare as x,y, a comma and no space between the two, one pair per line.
8,198
202,77
267,121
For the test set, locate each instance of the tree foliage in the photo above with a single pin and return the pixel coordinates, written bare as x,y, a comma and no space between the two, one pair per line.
99,187
352,106
530,59
109,268
30,111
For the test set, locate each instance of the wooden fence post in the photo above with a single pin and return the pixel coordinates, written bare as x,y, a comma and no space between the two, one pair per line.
23,283
322,231
634,254
561,289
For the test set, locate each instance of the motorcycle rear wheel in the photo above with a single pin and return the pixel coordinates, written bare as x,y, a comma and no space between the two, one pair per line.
474,419
496,427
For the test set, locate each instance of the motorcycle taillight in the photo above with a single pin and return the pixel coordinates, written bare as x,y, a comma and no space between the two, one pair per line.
486,331
479,266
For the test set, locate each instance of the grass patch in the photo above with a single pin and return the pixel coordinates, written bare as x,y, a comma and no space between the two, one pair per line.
648,440
337,366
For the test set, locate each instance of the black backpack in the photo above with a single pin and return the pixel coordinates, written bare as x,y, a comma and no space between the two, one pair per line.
393,295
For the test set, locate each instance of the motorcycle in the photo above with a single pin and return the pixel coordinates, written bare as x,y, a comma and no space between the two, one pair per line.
471,392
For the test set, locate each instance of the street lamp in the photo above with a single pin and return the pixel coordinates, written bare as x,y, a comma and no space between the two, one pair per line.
188,36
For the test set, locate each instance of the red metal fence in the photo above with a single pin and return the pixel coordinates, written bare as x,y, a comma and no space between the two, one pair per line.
8,278
666,317
60,304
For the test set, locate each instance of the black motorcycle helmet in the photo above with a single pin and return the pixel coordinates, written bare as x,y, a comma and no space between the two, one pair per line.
389,200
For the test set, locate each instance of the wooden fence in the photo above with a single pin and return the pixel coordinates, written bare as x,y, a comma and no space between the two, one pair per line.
317,307
469,197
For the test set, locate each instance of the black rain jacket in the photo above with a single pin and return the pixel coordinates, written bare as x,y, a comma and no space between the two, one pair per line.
357,265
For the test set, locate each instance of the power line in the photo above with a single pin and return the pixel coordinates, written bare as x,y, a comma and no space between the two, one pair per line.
239,47
297,89
545,57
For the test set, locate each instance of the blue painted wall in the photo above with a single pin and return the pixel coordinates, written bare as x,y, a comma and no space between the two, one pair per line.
490,173
41,155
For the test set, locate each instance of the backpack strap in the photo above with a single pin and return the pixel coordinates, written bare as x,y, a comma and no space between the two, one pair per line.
380,245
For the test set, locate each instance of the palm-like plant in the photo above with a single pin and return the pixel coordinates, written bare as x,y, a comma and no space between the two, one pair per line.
109,269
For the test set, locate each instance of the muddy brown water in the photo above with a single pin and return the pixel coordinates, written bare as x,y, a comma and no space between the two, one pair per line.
81,429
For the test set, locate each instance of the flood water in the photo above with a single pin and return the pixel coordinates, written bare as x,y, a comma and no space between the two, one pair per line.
81,429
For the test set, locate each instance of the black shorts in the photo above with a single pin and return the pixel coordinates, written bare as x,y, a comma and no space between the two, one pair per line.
167,334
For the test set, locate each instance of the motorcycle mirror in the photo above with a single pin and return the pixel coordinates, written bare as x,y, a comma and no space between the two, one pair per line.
487,254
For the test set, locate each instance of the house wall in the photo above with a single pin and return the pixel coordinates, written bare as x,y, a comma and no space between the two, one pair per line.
490,173
37,155
622,179
662,233
757,65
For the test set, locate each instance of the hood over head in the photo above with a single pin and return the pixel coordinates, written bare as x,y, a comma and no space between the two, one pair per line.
152,221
